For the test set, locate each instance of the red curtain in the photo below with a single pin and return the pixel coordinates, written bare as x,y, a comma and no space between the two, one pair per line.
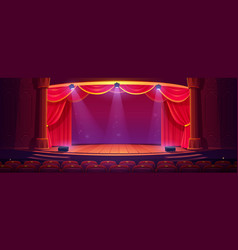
155,95
175,117
136,89
96,89
171,131
59,115
59,123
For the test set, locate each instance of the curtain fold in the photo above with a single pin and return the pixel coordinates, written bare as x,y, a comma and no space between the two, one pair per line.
96,89
136,89
175,94
175,116
181,115
155,95
59,123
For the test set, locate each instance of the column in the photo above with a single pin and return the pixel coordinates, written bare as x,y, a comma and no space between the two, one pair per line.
42,86
194,140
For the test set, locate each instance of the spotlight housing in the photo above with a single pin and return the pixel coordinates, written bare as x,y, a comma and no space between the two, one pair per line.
117,85
158,86
71,86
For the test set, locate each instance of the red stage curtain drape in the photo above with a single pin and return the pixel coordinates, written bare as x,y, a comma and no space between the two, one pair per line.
171,131
175,116
136,89
59,123
59,115
176,106
96,89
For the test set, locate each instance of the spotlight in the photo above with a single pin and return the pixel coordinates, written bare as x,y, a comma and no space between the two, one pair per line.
117,85
158,86
63,149
170,149
71,86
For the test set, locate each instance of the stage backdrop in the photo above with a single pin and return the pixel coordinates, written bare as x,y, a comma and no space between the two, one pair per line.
116,117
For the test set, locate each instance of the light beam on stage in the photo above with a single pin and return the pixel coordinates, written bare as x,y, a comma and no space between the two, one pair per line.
155,122
117,129
85,128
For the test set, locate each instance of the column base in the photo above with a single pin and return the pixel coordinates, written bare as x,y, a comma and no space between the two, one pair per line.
42,143
194,144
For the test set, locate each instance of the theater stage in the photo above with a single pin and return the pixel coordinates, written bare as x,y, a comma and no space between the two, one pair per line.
117,150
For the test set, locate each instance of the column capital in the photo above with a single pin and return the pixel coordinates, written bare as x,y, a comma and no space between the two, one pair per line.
193,82
43,82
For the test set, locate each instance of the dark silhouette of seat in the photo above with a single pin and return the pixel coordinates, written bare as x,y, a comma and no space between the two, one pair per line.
166,169
96,169
13,164
223,163
183,163
202,164
69,163
51,163
108,164
49,168
85,164
73,168
26,168
213,169
130,164
190,169
6,169
151,163
231,169
143,168
119,169
165,163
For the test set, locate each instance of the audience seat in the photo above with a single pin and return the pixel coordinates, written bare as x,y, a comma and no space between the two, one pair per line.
108,164
73,168
202,164
51,163
223,163
26,168
69,163
6,168
190,169
231,169
49,168
130,164
213,169
151,163
85,164
119,169
165,163
13,164
182,163
166,169
143,168
96,169
37,164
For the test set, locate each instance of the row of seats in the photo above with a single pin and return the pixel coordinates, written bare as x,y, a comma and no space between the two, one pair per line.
111,163
124,166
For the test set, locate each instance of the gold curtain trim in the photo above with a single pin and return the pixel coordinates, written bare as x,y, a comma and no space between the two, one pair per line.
63,97
96,93
137,93
171,99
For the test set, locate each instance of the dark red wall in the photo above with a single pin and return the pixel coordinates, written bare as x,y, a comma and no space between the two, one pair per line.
218,113
18,112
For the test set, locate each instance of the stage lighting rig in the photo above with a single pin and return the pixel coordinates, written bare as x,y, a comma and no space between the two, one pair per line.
158,86
117,85
71,86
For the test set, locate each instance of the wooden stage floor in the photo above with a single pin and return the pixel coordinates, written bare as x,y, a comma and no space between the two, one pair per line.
116,150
